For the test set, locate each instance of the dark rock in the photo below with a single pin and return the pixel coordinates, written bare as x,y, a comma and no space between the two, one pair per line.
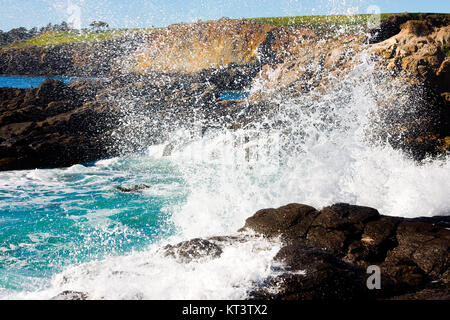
342,223
53,90
375,242
91,120
435,292
391,25
325,277
291,221
335,246
71,295
425,245
132,189
53,125
192,250
234,76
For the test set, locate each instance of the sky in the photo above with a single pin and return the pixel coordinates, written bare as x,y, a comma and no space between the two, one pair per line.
158,13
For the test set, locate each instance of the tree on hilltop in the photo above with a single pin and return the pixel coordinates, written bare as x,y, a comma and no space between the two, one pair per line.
99,25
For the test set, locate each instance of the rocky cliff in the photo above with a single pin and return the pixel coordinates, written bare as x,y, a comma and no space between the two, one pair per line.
53,125
158,78
90,59
204,45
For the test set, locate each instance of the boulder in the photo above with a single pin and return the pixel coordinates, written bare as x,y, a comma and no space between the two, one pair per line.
193,250
313,274
71,295
326,253
291,221
133,188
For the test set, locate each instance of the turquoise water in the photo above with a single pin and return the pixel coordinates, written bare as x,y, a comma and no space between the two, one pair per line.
234,95
53,218
25,82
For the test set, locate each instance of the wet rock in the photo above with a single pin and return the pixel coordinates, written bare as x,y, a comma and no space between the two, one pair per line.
417,52
53,90
435,292
425,245
133,188
341,223
193,250
313,274
53,125
291,221
71,295
334,247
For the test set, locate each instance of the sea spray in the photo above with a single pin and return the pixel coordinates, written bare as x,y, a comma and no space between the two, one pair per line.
316,149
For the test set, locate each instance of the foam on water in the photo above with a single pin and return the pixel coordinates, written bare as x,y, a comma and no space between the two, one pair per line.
319,155
150,275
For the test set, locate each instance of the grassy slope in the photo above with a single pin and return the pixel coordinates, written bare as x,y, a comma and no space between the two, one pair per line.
358,19
61,37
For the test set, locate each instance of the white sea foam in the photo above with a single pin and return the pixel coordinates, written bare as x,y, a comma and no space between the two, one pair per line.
151,275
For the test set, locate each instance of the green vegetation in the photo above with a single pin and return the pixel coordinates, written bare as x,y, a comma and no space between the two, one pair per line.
61,37
446,50
357,19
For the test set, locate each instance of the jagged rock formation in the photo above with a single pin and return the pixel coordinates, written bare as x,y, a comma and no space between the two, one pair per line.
416,118
90,59
53,125
195,47
58,125
326,253
419,53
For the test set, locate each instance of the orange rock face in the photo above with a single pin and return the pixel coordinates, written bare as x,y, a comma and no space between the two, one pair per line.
193,47
419,50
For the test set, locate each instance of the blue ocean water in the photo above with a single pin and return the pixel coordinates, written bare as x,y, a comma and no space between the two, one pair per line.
234,95
53,218
26,82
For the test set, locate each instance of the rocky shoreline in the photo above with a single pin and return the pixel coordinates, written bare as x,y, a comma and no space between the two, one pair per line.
325,254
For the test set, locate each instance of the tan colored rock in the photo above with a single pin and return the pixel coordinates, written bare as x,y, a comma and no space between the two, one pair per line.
193,47
304,61
416,50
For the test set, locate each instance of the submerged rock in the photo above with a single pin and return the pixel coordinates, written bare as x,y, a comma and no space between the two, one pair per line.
71,295
193,250
133,188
